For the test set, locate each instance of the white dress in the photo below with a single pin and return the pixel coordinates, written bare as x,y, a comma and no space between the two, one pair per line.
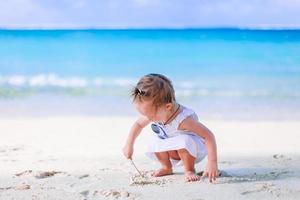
168,137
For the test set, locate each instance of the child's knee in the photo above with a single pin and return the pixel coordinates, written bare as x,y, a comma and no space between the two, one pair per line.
182,151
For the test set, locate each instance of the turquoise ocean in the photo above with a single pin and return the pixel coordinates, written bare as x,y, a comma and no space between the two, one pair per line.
221,73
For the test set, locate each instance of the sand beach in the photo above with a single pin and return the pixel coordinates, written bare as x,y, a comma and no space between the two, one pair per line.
80,158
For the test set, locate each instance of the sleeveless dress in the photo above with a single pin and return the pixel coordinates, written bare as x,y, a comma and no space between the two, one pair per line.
168,137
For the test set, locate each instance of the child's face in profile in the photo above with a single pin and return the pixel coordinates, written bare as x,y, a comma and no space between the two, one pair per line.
147,109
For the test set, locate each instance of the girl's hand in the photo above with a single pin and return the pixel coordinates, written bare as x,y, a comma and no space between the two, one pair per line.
128,151
211,171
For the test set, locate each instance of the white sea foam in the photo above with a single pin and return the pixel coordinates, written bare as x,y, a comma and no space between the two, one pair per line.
183,88
44,80
124,82
54,80
16,80
98,81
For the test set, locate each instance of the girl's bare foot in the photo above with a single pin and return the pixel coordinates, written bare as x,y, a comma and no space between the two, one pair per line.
191,176
162,172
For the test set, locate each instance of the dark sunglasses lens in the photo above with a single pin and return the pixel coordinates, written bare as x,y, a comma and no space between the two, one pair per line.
155,128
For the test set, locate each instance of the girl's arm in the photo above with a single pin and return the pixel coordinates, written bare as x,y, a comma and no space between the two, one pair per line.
192,125
134,132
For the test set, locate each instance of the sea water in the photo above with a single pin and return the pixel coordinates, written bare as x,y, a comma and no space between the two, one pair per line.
221,73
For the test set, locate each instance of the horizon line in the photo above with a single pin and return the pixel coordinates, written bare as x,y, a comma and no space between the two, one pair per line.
262,28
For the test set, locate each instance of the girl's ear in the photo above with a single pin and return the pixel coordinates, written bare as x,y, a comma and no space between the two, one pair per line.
169,106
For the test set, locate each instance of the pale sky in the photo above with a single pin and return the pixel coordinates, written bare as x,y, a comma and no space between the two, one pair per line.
149,13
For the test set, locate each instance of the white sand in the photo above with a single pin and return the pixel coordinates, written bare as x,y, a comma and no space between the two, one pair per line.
80,158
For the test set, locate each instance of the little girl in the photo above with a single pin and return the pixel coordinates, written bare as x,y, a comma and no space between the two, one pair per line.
179,138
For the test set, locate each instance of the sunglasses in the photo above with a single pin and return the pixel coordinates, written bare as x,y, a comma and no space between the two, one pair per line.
159,131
